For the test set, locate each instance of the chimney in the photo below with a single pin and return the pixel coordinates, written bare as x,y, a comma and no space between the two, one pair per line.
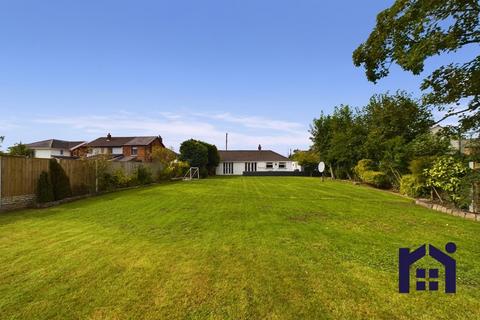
109,137
160,138
259,147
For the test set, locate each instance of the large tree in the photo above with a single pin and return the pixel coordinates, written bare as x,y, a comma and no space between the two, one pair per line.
409,32
194,152
200,154
338,138
393,121
381,131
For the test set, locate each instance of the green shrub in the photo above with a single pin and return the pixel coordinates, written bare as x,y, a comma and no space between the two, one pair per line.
143,175
44,188
179,168
203,173
447,174
465,194
121,180
418,166
363,166
165,174
60,181
411,186
376,178
106,182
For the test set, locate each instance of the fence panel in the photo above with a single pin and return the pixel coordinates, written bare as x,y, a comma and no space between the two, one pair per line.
81,174
129,168
19,176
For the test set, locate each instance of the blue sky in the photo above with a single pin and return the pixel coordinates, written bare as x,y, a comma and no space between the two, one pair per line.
258,69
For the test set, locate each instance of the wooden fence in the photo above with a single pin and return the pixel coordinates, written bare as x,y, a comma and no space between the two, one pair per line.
19,176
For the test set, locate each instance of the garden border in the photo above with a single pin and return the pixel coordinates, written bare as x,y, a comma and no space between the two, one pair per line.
451,211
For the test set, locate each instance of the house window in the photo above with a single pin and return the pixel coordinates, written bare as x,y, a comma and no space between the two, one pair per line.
61,152
282,165
228,168
250,166
134,151
269,165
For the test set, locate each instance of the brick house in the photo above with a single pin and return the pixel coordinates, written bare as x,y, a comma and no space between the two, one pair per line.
125,148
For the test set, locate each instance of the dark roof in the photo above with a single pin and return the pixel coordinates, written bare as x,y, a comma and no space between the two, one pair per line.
251,155
112,142
122,141
140,141
54,144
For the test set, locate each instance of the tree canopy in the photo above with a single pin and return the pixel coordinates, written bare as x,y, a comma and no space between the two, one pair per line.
409,32
387,130
20,149
308,159
200,154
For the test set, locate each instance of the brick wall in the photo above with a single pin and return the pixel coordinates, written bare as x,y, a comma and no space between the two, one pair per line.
17,202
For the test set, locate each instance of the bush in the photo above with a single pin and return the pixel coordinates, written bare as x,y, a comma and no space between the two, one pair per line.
376,178
203,173
165,174
44,188
194,152
465,194
366,172
180,168
106,182
447,174
411,186
60,181
418,166
143,175
363,166
121,180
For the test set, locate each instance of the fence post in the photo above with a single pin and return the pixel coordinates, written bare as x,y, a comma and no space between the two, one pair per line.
1,182
96,176
473,191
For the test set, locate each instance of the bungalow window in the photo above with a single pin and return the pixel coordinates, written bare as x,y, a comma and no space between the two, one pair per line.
282,165
269,165
134,151
228,168
250,166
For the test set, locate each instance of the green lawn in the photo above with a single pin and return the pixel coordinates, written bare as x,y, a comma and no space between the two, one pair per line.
230,248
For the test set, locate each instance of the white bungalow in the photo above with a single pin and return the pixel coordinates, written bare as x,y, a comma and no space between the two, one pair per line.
236,162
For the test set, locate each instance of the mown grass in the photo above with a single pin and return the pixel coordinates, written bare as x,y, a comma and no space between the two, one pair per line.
230,248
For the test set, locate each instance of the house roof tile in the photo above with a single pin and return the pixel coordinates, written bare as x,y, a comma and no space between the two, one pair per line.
122,141
54,144
251,155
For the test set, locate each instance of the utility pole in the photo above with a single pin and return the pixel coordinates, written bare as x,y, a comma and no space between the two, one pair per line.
226,141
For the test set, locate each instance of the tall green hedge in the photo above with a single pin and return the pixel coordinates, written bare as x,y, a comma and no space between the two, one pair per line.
365,170
60,181
44,188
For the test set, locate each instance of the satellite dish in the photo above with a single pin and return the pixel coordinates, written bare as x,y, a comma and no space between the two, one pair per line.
321,166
